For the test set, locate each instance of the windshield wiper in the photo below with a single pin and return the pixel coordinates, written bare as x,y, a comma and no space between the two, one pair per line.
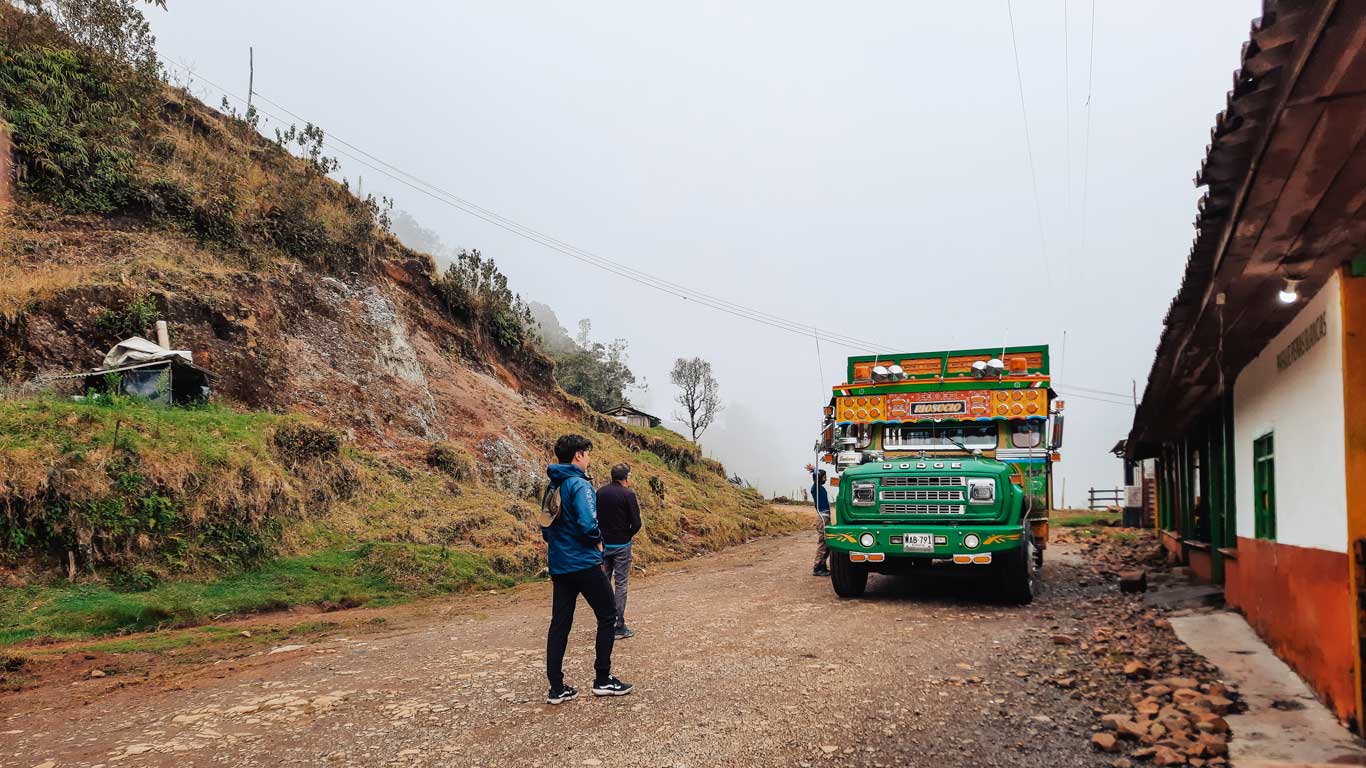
957,444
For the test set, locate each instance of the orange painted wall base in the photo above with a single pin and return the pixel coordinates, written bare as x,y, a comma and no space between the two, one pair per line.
1298,601
1171,541
1201,563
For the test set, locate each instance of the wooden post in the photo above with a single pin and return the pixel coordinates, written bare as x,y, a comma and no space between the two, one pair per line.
6,169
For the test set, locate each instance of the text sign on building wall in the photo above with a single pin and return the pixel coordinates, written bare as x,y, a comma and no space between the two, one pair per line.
1301,344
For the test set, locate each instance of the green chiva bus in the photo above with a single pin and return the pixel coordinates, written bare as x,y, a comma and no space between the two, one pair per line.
943,459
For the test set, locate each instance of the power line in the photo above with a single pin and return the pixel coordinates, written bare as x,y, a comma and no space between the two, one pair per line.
579,253
426,188
1096,399
1067,128
1086,151
1095,391
415,183
1029,149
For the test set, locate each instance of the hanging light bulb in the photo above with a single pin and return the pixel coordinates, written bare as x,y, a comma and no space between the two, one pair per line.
1290,293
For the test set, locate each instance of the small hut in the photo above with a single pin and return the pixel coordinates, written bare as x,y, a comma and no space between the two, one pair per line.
151,371
635,417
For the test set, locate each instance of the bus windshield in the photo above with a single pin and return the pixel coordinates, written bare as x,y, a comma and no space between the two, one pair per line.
917,437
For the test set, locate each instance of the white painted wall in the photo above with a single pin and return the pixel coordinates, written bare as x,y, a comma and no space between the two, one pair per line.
1303,405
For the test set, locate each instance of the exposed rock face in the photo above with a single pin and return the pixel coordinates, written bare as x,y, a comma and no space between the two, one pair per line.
393,352
505,467
378,357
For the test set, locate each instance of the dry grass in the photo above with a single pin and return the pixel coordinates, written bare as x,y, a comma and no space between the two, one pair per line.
23,285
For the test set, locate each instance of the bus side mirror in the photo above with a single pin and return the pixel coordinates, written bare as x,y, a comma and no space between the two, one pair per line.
1057,431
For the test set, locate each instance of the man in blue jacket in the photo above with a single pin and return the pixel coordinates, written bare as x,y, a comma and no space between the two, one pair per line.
575,557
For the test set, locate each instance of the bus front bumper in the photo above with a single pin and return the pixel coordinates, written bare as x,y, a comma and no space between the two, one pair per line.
961,543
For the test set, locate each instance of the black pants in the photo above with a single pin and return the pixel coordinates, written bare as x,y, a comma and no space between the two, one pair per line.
593,585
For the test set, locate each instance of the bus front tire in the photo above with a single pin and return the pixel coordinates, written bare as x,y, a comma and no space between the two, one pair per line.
1017,575
849,580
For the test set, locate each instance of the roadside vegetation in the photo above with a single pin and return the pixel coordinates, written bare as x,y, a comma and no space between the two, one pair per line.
365,575
118,516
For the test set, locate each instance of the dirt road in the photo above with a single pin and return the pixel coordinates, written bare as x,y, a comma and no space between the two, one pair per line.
742,659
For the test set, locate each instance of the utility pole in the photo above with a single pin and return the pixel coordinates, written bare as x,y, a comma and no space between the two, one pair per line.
251,75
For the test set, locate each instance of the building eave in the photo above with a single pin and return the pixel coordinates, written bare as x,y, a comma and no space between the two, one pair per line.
1283,171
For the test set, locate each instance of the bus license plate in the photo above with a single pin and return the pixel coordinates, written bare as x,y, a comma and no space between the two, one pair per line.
918,542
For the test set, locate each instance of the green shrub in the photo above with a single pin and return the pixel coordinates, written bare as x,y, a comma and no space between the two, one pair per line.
473,289
133,578
216,222
134,319
162,199
294,232
72,120
508,331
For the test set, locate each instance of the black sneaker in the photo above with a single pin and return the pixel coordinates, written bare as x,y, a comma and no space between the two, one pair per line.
820,570
624,632
565,693
611,687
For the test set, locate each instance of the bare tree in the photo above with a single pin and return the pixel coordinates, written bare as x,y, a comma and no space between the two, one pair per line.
698,394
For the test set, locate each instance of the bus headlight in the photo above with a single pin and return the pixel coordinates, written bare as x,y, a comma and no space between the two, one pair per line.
972,541
981,490
864,494
867,540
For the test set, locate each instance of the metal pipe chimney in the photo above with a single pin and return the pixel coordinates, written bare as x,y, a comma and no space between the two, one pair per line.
163,335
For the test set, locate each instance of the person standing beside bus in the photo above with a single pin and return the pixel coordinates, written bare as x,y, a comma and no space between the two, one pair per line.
822,501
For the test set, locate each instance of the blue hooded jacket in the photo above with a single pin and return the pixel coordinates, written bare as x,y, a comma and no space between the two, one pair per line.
572,541
820,497
823,500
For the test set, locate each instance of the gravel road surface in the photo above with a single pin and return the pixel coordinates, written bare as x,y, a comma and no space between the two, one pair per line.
741,659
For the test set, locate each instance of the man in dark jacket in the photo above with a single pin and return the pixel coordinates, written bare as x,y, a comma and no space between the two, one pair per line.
572,540
822,500
619,520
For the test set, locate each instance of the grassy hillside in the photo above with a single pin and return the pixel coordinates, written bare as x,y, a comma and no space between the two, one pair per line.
379,429
120,516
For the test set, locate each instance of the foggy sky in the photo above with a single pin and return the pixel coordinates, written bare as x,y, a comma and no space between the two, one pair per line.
862,169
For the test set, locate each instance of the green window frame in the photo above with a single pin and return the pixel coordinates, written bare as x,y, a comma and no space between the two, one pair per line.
1264,487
